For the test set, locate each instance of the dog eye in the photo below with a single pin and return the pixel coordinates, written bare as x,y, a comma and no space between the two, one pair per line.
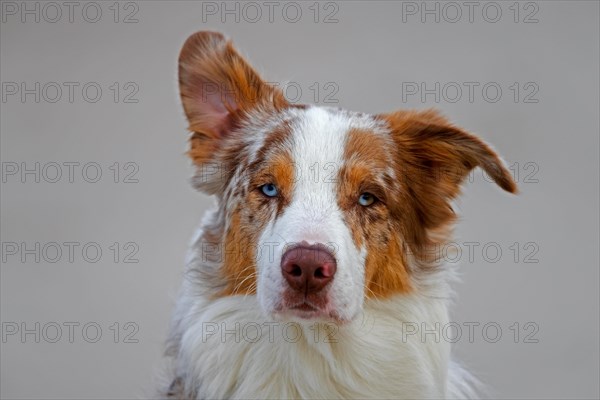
269,190
366,199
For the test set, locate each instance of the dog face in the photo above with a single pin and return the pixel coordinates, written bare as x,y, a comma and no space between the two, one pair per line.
321,207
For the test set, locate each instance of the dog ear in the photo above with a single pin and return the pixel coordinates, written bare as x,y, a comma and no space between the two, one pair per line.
218,88
434,158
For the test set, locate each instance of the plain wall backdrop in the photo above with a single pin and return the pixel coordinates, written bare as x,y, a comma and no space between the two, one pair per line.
530,260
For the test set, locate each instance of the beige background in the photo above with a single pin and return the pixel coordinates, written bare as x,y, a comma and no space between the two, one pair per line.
365,56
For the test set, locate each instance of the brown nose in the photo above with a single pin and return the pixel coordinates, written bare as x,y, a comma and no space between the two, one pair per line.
308,268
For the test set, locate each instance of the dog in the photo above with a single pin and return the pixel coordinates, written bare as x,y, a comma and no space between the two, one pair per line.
319,251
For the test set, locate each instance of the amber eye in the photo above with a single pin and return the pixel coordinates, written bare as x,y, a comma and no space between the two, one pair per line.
366,199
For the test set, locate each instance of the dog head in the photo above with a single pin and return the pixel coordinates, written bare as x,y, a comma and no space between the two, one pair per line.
322,208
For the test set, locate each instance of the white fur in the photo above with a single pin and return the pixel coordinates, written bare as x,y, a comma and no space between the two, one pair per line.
368,357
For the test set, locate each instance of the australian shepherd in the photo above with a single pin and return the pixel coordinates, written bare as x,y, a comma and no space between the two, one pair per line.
321,248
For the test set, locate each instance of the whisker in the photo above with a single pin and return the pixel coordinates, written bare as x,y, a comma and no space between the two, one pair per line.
239,285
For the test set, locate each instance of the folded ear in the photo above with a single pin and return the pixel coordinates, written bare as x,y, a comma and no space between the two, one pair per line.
444,152
218,88
434,158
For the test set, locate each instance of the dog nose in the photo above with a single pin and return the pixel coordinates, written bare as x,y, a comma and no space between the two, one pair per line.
308,269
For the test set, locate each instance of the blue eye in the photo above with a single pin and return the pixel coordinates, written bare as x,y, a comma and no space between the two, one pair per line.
366,199
269,190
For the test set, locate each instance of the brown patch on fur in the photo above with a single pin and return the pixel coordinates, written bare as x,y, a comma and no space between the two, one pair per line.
201,148
273,165
386,272
239,267
283,174
218,90
432,159
366,170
